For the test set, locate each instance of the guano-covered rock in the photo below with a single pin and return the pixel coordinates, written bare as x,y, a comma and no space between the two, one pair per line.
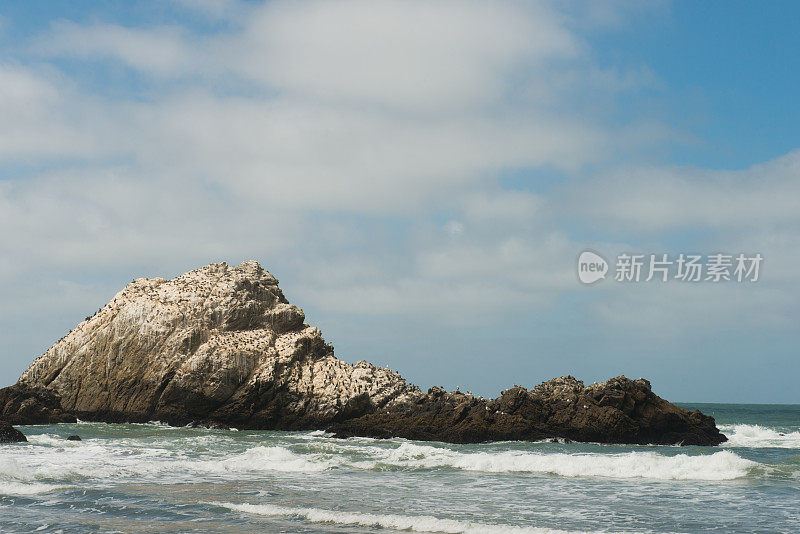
222,346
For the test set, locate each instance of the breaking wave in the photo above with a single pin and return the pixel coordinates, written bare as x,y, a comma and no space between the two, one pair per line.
757,436
23,489
67,461
57,461
420,523
17,480
721,465
275,459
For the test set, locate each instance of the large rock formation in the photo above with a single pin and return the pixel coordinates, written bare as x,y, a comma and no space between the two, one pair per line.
221,345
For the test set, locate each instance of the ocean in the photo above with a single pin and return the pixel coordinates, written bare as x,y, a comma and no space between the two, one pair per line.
156,478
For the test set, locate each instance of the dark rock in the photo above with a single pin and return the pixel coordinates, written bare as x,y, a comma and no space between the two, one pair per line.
25,404
9,434
617,411
74,437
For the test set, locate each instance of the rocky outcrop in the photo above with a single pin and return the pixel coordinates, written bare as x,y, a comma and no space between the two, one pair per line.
25,404
216,345
617,411
222,346
9,434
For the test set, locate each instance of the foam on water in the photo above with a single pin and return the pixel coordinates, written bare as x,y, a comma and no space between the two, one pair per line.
17,480
420,523
48,459
721,465
54,460
411,485
276,459
22,489
757,436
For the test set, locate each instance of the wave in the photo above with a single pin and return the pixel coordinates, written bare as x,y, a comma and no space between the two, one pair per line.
275,459
16,480
721,465
757,436
56,460
420,523
55,441
23,489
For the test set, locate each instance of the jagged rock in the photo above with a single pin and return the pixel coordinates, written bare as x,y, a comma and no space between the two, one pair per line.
214,347
9,434
74,437
221,346
617,411
26,404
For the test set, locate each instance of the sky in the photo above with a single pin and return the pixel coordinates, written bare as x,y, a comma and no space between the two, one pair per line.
420,176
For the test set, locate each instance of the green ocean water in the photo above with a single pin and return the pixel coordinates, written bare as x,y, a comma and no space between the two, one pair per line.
155,478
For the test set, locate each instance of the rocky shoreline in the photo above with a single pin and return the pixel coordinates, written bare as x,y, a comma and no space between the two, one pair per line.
222,346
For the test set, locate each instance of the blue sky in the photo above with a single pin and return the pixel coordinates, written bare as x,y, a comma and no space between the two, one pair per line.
421,177
731,74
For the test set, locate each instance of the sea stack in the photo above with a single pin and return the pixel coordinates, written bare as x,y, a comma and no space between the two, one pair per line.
222,346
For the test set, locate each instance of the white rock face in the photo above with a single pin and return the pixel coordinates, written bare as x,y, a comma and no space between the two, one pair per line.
218,343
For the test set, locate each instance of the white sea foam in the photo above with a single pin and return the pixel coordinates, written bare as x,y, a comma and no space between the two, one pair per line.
278,459
54,460
17,480
420,523
721,465
47,439
22,489
314,434
57,460
759,437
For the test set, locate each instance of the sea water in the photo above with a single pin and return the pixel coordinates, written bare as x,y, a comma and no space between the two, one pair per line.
155,478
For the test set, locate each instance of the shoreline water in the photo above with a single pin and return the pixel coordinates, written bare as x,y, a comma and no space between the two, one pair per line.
125,477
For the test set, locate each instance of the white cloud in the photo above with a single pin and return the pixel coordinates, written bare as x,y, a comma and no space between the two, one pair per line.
654,199
311,156
673,210
677,312
37,121
215,9
415,55
512,207
373,110
21,88
163,51
106,219
402,53
373,107
303,128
